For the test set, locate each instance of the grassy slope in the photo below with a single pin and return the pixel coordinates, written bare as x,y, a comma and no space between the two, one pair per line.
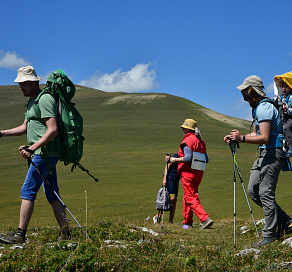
125,144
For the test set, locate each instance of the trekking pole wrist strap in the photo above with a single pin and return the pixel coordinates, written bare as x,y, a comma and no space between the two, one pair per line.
0,134
26,148
243,138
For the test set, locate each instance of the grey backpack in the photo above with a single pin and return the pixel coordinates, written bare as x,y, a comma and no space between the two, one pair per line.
163,202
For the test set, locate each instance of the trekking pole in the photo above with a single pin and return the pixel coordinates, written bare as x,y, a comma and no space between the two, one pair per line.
285,146
45,180
247,199
86,170
163,208
234,197
288,163
164,189
233,150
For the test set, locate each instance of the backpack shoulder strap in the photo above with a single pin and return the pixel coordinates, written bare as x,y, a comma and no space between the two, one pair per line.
254,110
289,101
38,114
275,103
36,102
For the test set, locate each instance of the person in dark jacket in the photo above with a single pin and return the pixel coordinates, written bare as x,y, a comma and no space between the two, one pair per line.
171,181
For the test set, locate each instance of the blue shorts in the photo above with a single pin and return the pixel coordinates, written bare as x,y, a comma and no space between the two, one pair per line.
172,185
34,180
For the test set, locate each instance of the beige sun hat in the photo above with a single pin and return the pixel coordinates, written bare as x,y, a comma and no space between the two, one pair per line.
189,124
26,73
255,82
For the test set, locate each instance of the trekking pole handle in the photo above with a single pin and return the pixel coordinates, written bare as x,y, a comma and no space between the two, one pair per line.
167,154
26,148
233,145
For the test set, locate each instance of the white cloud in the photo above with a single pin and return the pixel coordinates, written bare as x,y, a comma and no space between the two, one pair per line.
44,78
270,90
139,78
242,109
11,60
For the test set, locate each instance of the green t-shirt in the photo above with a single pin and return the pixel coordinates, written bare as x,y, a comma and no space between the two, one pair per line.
36,127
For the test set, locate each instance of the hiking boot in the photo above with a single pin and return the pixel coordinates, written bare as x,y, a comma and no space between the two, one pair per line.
207,223
288,226
284,228
263,242
65,235
156,219
17,237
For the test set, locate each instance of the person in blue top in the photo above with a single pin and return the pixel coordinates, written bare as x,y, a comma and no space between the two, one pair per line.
268,134
171,181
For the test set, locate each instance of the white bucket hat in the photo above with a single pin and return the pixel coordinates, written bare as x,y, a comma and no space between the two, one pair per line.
26,73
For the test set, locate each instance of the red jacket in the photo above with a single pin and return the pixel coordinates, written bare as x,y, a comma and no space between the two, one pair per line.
195,144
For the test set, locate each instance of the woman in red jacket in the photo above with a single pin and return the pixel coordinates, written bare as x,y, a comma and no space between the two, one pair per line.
192,163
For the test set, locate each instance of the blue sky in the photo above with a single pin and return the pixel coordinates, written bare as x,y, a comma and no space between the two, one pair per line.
199,50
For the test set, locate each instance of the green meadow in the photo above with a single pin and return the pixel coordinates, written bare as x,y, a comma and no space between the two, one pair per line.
126,139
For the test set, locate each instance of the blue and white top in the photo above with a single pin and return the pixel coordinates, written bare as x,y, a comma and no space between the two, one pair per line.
266,111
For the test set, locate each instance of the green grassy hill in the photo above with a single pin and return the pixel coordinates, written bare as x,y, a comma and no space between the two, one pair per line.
126,139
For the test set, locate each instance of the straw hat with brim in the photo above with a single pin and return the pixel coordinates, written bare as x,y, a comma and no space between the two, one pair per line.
189,124
255,82
26,73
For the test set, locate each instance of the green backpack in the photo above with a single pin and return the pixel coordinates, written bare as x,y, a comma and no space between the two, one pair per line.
70,123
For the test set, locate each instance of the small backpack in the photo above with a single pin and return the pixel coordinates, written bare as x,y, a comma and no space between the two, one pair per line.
70,123
163,202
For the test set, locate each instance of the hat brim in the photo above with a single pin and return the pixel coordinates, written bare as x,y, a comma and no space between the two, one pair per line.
242,87
27,78
184,126
259,91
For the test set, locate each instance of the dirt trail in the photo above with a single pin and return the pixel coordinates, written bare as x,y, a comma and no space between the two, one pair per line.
227,119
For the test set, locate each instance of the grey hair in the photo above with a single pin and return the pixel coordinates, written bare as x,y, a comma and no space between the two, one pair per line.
198,133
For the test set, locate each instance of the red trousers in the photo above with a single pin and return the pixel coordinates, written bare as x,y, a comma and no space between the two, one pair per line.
191,202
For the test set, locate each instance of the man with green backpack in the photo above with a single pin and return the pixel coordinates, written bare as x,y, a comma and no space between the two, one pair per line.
41,132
